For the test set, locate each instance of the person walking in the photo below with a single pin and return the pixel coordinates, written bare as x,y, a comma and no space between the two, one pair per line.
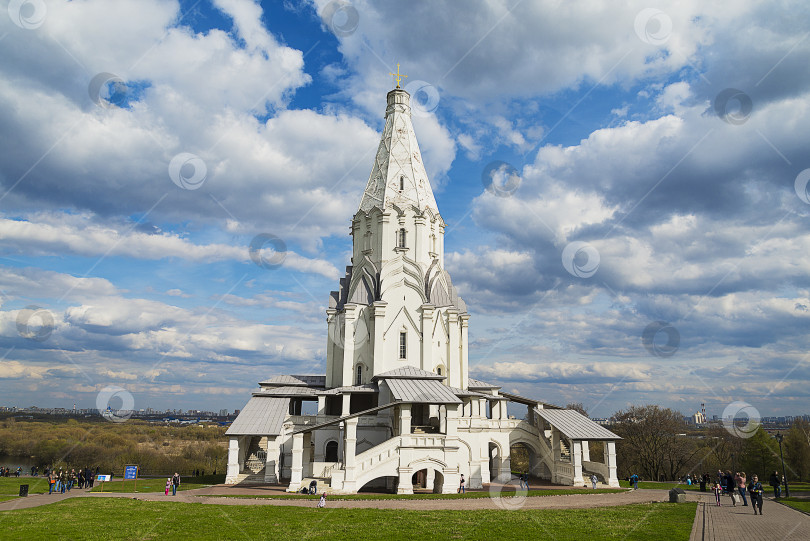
594,480
168,485
776,483
175,483
51,483
634,480
741,487
755,491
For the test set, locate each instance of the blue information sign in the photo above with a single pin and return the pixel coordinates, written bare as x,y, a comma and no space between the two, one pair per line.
131,472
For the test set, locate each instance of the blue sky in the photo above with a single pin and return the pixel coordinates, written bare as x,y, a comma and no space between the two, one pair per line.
129,200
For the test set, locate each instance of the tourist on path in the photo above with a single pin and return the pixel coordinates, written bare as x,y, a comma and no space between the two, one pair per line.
462,485
51,483
775,482
175,483
168,485
740,478
755,490
717,491
634,480
322,501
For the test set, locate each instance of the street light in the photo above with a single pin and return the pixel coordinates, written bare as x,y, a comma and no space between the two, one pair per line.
779,438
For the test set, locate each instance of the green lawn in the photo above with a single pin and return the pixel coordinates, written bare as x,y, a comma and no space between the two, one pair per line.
113,518
10,486
802,504
468,495
144,485
660,486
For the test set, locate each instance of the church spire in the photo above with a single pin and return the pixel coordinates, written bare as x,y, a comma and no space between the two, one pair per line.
398,175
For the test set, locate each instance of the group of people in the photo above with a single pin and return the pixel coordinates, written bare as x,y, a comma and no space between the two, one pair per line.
736,487
64,480
6,472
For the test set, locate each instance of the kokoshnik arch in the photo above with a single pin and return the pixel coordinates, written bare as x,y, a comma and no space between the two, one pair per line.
396,406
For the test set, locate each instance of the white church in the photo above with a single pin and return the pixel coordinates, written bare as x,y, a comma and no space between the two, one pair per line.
396,408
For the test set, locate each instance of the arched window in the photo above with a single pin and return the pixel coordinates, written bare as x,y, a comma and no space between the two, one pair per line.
331,452
401,183
439,370
401,238
403,343
359,378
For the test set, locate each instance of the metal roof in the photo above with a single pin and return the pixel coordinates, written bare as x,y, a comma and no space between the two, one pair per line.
296,381
527,401
261,416
365,388
409,372
478,384
286,391
422,391
575,426
461,392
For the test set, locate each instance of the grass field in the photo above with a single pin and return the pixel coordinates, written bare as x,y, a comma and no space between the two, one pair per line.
115,518
10,486
665,485
468,495
158,485
802,504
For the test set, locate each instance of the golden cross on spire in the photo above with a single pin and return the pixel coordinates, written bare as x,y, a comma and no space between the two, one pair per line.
397,76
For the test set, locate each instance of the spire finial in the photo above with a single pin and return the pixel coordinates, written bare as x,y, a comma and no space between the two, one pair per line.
397,76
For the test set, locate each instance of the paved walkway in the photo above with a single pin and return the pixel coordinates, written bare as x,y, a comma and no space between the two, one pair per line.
778,522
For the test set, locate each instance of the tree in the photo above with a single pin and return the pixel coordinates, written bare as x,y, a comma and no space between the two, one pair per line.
653,444
578,407
797,450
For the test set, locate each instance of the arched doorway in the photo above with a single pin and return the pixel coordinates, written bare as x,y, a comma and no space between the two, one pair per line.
495,459
427,480
331,454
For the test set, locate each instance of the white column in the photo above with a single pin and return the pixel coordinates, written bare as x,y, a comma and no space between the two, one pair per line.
378,364
347,404
419,243
348,346
349,450
427,337
404,419
453,351
576,461
331,321
586,451
322,404
555,453
610,462
431,477
271,472
232,473
465,361
297,470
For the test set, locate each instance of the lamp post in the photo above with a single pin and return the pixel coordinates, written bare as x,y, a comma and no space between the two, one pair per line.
779,437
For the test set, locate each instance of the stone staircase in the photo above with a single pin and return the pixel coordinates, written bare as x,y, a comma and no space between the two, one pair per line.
250,478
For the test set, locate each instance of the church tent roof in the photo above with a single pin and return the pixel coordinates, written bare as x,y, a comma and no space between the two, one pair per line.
575,426
409,372
421,391
261,416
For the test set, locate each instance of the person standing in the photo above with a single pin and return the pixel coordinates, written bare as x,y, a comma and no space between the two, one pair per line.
634,480
51,483
755,491
462,486
594,479
741,487
175,483
168,485
717,491
775,482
